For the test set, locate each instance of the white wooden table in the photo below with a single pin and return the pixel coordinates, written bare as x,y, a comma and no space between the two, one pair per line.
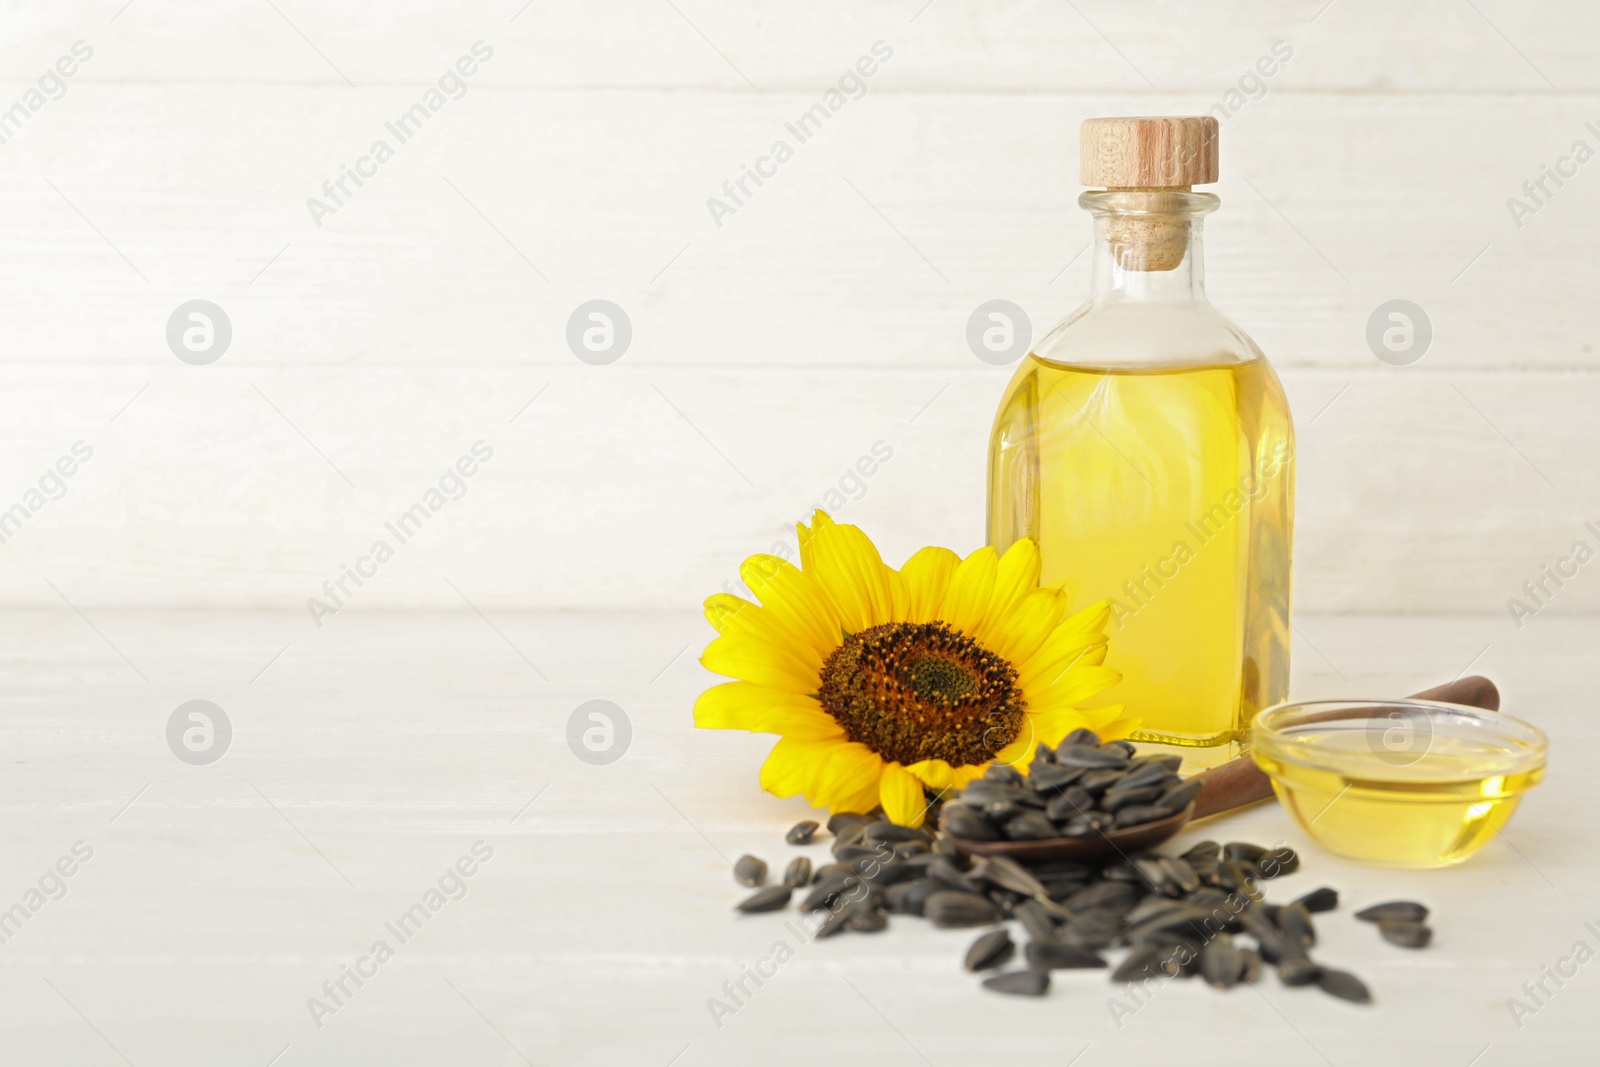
371,755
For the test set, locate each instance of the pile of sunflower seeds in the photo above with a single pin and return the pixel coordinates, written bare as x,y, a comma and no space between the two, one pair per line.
1076,789
1201,914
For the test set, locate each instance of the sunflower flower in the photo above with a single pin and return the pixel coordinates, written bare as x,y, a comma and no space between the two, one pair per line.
887,684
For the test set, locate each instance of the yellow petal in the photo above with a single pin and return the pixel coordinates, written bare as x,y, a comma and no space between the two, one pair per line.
744,706
845,564
1015,577
935,773
736,617
1025,628
960,777
900,792
751,660
792,764
788,593
927,574
971,586
1073,687
848,781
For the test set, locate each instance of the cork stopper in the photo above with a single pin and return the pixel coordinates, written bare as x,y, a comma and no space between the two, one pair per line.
1155,157
1172,152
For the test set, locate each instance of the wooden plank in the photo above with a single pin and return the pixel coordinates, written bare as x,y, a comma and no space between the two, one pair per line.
1010,46
484,232
644,486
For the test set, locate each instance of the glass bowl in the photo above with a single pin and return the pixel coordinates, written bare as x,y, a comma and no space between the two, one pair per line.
1398,783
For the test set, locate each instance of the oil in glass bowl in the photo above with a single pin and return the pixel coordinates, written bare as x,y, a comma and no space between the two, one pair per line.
1405,783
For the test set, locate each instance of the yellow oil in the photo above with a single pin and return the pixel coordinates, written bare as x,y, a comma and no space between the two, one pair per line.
1168,491
1433,812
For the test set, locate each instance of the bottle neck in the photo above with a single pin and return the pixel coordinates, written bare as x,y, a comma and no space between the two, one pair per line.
1148,245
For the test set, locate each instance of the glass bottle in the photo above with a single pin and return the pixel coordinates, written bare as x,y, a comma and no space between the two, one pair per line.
1145,444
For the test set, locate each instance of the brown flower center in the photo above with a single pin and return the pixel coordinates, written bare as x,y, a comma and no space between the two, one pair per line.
916,691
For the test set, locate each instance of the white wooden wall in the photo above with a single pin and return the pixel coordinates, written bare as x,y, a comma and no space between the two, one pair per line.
771,352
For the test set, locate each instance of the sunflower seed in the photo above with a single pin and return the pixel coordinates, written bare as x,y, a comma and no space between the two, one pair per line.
1153,874
1007,872
1295,922
1081,736
827,892
970,827
850,853
798,873
1084,756
1323,899
1035,919
1004,773
1186,920
1020,983
1179,956
1251,969
950,876
1278,861
1052,955
801,833
884,875
894,833
868,920
1139,814
1275,945
1221,962
1116,799
1343,985
1298,970
1235,876
1030,826
1125,747
1000,812
1179,871
1073,800
1051,776
749,871
1043,753
907,898
1180,796
1405,934
836,923
1143,962
1205,852
1099,780
842,819
1242,851
1147,775
905,850
1394,910
1171,763
953,908
852,835
771,898
993,949
1151,907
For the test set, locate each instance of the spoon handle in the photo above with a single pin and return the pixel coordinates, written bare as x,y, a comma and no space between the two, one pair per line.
1239,781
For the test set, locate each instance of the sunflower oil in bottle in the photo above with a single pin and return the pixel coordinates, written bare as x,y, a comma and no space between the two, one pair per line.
1146,446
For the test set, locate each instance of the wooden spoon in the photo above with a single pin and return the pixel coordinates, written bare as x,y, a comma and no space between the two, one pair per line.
1224,788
